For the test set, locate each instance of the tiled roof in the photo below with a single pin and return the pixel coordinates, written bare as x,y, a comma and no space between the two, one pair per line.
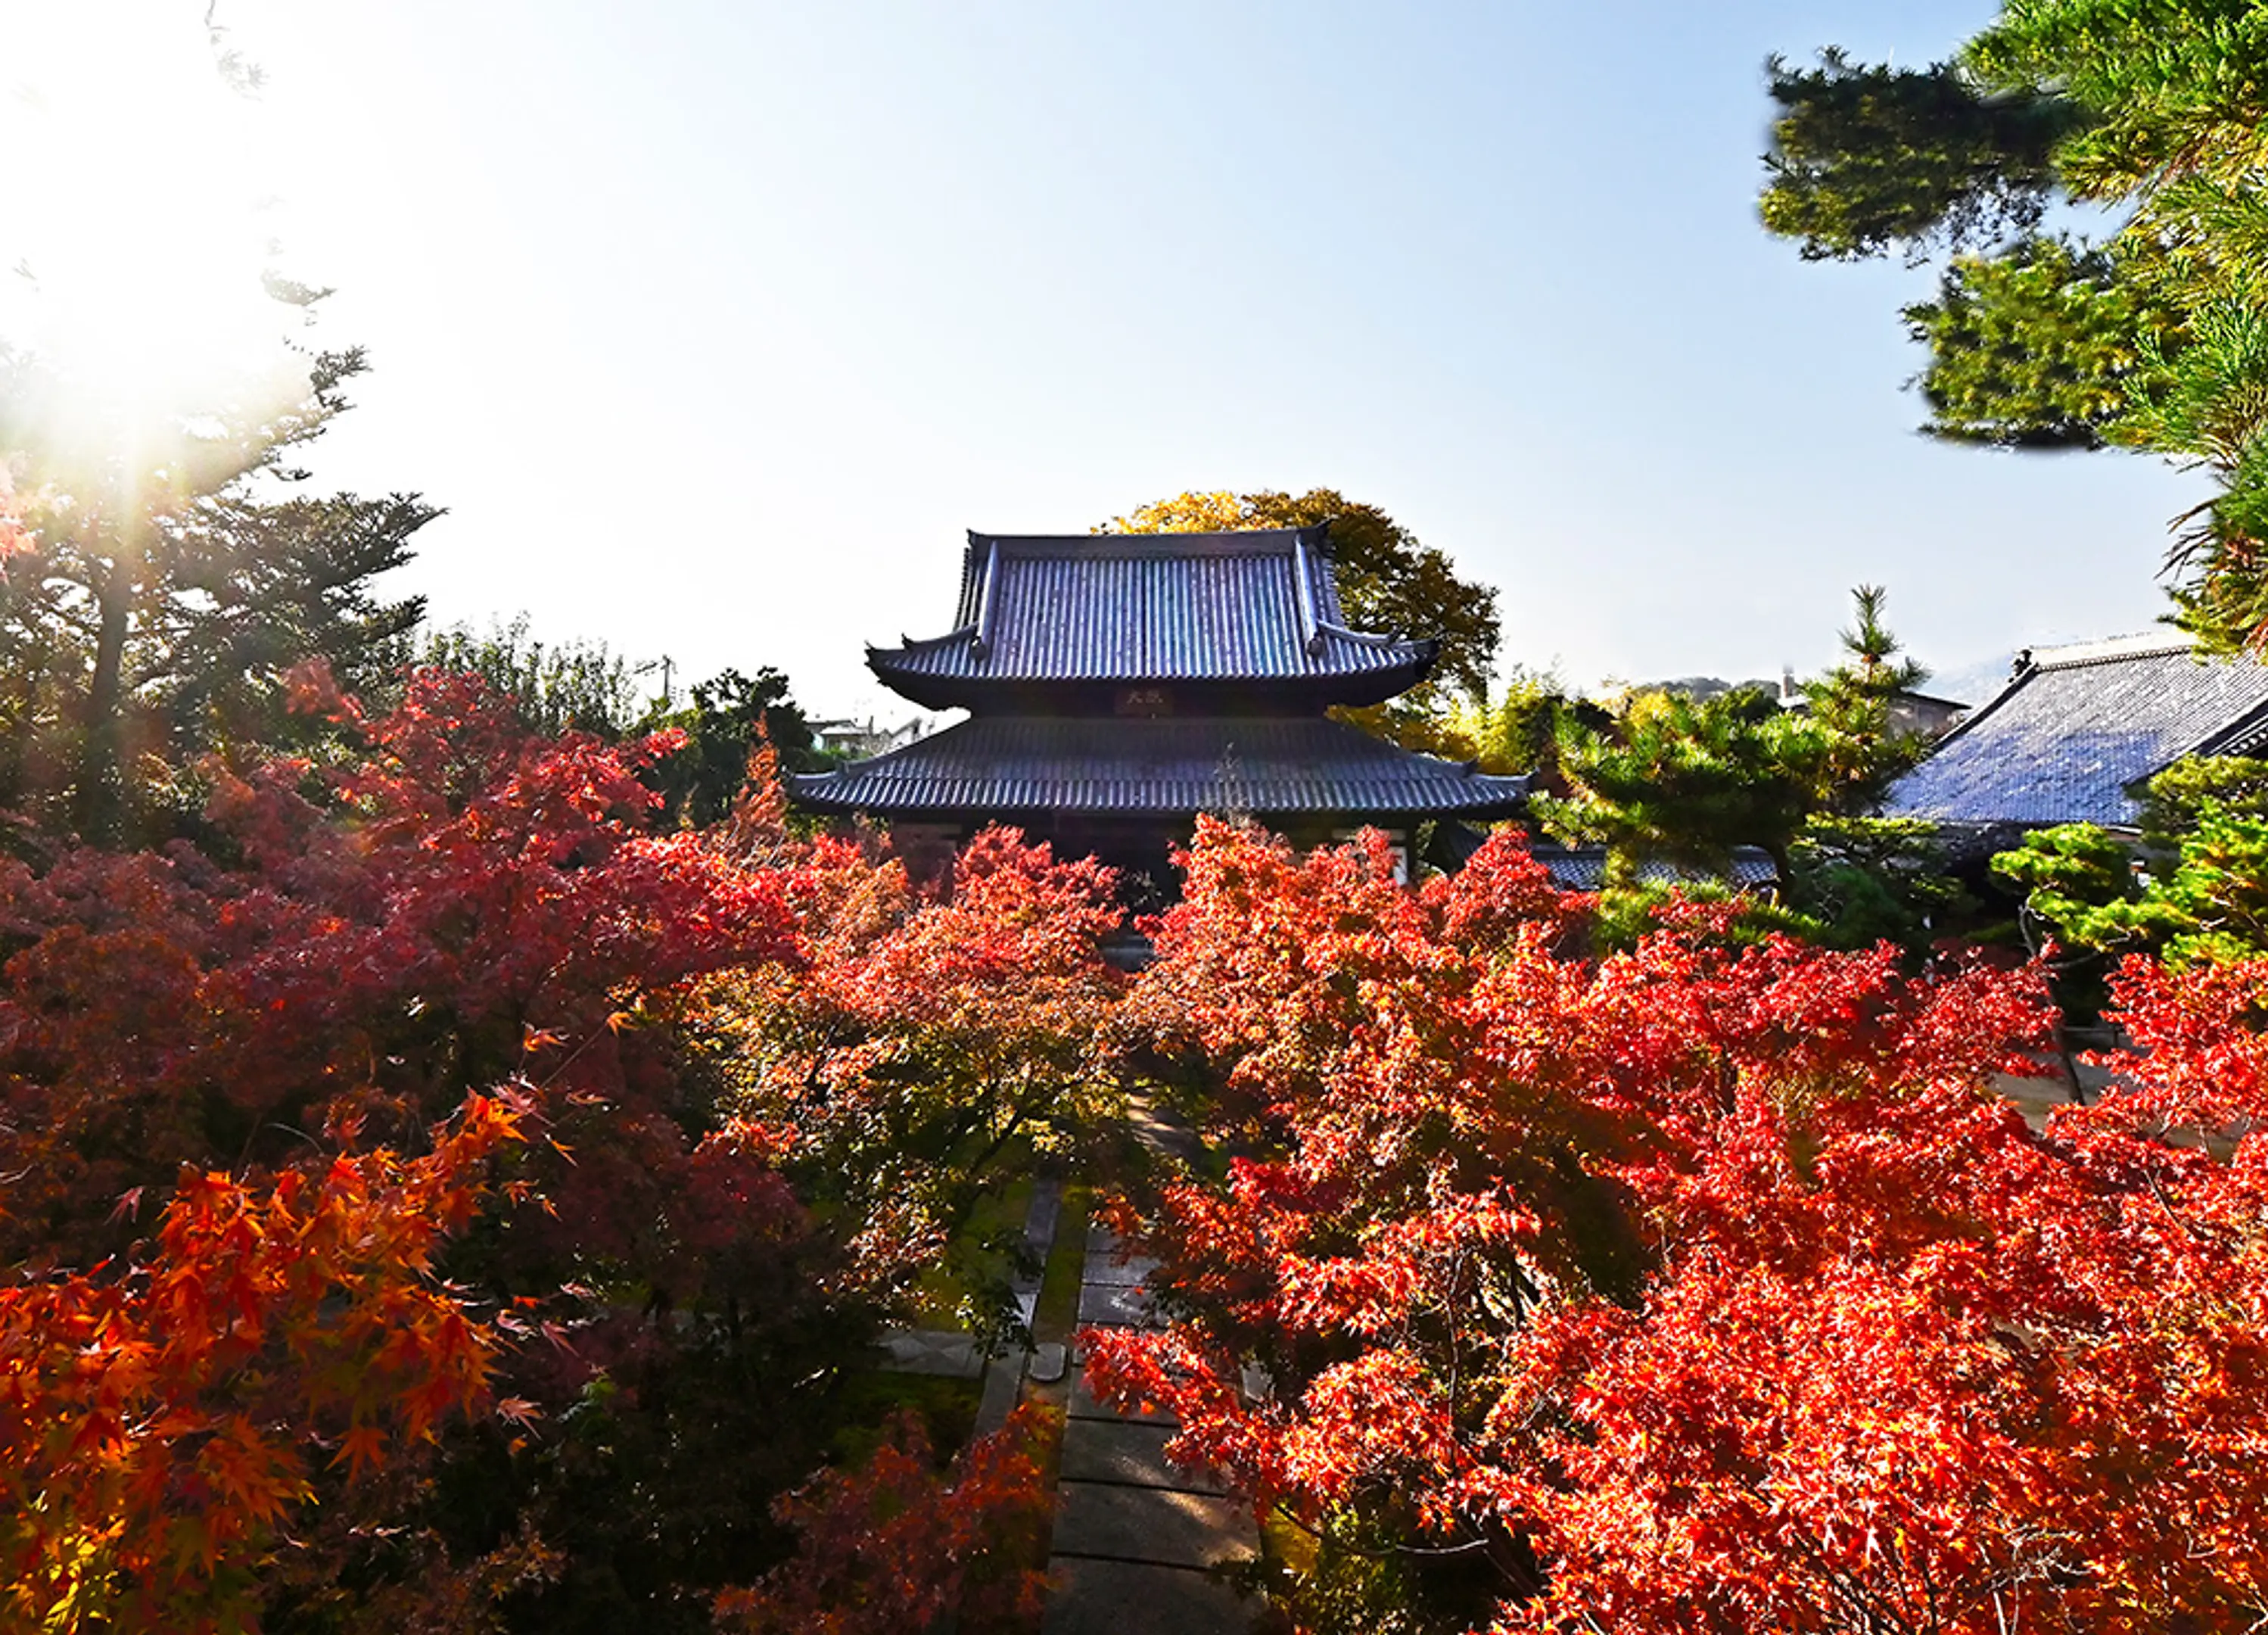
1583,868
1150,608
2070,735
1174,766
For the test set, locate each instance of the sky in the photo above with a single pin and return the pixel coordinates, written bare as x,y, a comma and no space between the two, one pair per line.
714,325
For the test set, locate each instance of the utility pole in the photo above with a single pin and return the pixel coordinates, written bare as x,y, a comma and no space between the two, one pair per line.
667,666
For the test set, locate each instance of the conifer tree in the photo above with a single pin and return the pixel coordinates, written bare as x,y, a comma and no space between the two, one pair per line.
1855,703
2154,337
159,590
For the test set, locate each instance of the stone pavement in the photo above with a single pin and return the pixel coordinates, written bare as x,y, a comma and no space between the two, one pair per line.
1134,1537
950,1352
1003,1375
932,1351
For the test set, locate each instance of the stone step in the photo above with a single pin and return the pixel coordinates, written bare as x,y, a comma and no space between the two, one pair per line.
1130,1453
1084,1406
1089,1597
930,1350
1111,1269
1151,1524
1115,1306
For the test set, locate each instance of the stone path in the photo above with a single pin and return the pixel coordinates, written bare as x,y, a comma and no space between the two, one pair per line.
1134,1537
950,1352
1003,1375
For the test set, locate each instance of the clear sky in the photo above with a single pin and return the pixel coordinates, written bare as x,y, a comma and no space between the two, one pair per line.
715,325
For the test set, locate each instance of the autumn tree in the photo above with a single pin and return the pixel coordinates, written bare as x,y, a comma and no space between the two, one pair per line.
2153,336
164,1422
583,687
897,1544
934,1037
1692,1287
1387,580
665,1267
165,578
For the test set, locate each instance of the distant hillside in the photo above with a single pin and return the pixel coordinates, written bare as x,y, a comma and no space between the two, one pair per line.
1973,684
1704,688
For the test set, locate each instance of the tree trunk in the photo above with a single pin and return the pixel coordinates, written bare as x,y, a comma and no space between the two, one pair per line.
15,735
98,803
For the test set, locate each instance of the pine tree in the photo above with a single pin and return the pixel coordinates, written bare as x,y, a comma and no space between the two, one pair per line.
2154,338
157,596
1856,702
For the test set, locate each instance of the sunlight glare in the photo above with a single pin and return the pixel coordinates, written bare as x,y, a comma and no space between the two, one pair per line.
133,247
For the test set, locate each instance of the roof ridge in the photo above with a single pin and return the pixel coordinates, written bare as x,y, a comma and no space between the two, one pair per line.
2109,648
1212,543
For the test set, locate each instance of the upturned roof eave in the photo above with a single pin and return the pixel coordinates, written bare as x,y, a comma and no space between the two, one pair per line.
806,792
1385,668
1153,770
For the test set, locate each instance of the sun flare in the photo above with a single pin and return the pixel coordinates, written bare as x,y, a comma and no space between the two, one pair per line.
133,251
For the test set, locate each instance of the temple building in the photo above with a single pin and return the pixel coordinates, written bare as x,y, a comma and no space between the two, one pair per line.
2077,733
1117,685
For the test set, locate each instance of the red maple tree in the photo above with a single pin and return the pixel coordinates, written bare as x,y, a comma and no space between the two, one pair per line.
896,1544
1699,1287
275,1022
161,1416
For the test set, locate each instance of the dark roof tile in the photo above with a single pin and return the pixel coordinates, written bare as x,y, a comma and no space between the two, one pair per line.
1583,868
1261,605
2068,737
1006,764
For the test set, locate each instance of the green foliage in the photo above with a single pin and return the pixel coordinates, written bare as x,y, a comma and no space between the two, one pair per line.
730,715
1518,733
2214,906
571,687
1630,909
2070,874
1865,159
2175,801
2073,877
2197,888
1860,880
2155,339
2155,90
1687,780
2044,345
2205,899
1854,704
1681,780
581,687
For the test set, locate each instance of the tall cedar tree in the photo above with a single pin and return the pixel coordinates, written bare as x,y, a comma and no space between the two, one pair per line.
151,605
2154,337
1855,703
